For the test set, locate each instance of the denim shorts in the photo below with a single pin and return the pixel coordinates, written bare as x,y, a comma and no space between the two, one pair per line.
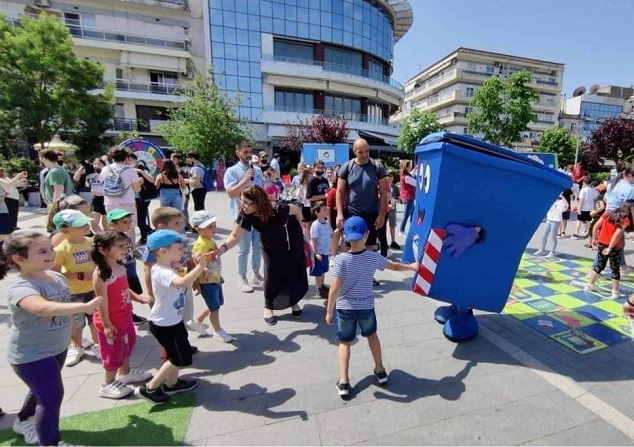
212,294
83,298
348,320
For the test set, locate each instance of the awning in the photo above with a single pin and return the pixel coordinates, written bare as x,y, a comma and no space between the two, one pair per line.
387,140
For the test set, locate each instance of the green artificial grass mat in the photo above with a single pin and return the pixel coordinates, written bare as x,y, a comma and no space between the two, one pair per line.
138,424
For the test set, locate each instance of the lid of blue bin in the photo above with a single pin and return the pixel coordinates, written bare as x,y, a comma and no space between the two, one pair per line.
467,142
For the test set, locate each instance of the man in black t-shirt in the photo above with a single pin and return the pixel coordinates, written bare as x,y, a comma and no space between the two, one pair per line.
317,185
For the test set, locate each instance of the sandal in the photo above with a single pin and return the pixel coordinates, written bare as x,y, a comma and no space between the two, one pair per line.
271,321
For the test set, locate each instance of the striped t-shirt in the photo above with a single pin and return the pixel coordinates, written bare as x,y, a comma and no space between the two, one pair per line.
356,271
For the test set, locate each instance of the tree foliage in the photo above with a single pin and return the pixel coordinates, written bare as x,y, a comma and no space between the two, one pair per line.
415,127
206,121
44,87
318,129
613,136
503,108
559,141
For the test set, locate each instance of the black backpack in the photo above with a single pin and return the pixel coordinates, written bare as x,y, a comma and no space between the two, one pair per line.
148,191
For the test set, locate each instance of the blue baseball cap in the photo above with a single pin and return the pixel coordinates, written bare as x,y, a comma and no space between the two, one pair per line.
354,228
163,238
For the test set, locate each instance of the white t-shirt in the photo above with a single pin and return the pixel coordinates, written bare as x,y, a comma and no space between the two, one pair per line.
169,301
554,213
129,176
10,188
587,195
322,231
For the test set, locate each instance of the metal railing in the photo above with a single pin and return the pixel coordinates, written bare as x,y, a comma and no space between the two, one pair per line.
182,3
350,116
431,82
84,32
340,68
146,87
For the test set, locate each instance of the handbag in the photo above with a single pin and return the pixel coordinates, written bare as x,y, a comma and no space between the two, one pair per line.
309,254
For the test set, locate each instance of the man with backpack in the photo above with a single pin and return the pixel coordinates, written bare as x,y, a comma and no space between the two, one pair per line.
360,179
199,181
120,184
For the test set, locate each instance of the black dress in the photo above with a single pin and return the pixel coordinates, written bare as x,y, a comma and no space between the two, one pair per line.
285,278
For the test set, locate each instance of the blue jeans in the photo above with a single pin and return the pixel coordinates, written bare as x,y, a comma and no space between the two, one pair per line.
171,197
250,240
407,215
348,320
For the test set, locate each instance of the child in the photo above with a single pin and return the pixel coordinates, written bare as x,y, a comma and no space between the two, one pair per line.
210,282
567,195
597,212
271,189
119,220
113,319
69,203
587,196
6,225
351,292
39,333
166,317
320,239
72,259
553,219
607,236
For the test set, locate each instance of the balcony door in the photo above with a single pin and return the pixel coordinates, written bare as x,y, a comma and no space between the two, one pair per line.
163,82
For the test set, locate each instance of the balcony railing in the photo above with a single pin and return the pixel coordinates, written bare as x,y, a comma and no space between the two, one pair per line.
350,116
431,82
339,68
147,87
174,4
100,34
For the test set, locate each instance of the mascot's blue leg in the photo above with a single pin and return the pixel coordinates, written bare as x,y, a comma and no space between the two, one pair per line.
461,327
444,313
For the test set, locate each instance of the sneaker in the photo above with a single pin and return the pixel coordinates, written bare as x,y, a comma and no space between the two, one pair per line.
73,356
222,336
323,291
258,279
197,326
115,390
343,389
551,255
615,295
590,288
381,376
181,386
95,351
395,246
138,320
156,396
626,270
539,253
26,428
135,375
244,286
575,236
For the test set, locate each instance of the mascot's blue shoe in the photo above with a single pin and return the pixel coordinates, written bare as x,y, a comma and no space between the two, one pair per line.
461,327
444,313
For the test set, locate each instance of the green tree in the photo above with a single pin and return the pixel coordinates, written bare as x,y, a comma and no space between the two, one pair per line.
415,127
44,87
503,108
206,121
559,141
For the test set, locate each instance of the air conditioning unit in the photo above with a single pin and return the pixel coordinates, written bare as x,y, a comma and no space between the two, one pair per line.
498,64
42,3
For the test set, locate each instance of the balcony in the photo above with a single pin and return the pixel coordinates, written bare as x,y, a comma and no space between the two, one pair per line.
147,87
136,125
357,72
432,83
171,4
76,30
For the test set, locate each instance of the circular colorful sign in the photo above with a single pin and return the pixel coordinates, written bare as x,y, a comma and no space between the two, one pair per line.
148,154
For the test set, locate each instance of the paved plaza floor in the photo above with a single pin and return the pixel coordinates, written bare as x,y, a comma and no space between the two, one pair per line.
276,385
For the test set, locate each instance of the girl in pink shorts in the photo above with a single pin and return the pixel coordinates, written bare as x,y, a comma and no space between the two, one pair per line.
113,318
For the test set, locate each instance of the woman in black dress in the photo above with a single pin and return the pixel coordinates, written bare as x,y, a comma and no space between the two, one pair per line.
285,279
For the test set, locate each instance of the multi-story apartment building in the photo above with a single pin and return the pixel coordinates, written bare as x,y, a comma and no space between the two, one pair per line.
147,48
447,86
292,59
584,112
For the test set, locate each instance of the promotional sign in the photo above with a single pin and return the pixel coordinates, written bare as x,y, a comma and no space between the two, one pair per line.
544,158
149,154
330,154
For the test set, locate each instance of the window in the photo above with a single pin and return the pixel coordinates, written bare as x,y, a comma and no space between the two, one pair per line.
376,69
340,56
293,100
375,113
118,111
76,22
292,50
468,110
163,77
469,92
145,114
343,105
490,69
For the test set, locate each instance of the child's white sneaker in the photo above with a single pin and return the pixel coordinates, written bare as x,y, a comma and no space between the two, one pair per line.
551,255
539,253
626,270
96,351
615,295
197,326
590,288
115,390
222,336
73,356
26,428
135,375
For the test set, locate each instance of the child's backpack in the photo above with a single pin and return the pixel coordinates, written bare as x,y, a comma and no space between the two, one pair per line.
113,184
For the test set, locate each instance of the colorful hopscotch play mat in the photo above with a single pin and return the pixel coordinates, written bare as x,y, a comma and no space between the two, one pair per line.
548,296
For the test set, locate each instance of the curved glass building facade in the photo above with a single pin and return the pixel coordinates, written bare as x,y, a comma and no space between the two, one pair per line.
352,38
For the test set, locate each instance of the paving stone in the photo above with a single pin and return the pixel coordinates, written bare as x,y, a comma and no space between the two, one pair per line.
292,432
597,432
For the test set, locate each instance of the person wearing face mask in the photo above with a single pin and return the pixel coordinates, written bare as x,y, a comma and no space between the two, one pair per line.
318,184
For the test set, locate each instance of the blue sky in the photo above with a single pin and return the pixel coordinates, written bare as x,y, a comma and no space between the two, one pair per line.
594,39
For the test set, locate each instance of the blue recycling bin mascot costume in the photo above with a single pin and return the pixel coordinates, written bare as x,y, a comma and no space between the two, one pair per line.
477,206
